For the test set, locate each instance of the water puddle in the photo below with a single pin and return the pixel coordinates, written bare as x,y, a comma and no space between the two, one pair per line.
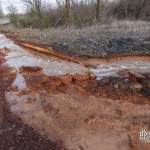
18,57
19,82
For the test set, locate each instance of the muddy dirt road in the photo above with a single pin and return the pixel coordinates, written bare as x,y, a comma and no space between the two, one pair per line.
86,108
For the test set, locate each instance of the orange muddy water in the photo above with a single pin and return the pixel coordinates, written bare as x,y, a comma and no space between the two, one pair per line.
53,96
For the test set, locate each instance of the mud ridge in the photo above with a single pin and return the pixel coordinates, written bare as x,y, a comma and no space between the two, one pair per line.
129,86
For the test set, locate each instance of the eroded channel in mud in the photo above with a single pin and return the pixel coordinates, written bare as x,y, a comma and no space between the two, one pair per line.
71,107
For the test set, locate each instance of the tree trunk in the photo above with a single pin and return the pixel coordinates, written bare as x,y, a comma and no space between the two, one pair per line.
67,11
40,20
97,10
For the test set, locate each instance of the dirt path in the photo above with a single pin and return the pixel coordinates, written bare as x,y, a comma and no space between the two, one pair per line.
63,101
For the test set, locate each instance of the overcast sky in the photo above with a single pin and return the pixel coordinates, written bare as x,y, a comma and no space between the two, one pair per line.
20,6
17,3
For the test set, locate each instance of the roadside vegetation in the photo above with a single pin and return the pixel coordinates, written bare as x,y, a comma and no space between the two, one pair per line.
78,13
84,27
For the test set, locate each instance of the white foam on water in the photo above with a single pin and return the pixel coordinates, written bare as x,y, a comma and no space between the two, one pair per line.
111,69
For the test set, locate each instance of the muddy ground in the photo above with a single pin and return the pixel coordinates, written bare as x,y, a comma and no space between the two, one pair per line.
96,104
77,110
82,112
14,134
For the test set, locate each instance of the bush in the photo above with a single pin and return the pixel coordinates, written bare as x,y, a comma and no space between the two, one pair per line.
132,9
13,14
13,20
83,13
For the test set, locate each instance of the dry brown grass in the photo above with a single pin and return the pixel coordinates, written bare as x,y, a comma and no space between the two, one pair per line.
63,34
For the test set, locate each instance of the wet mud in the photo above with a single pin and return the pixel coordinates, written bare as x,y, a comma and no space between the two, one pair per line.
76,108
14,134
81,107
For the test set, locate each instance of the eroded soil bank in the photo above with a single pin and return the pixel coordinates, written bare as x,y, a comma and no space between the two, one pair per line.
76,106
83,112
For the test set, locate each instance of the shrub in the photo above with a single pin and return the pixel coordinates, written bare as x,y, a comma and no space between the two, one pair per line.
132,9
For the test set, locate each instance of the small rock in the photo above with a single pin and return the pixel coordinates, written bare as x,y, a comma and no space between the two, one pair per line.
124,73
11,148
137,75
61,133
128,73
19,132
104,81
137,86
146,83
116,85
104,54
43,92
146,92
1,131
13,126
9,129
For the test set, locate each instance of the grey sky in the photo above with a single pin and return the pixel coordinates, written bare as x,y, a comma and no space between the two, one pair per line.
20,6
17,3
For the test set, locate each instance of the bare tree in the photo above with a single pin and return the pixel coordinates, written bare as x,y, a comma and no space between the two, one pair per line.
36,4
13,14
97,9
67,11
58,3
1,11
66,5
12,10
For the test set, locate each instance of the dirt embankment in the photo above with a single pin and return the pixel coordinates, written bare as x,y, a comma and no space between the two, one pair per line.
130,86
74,108
77,105
14,134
